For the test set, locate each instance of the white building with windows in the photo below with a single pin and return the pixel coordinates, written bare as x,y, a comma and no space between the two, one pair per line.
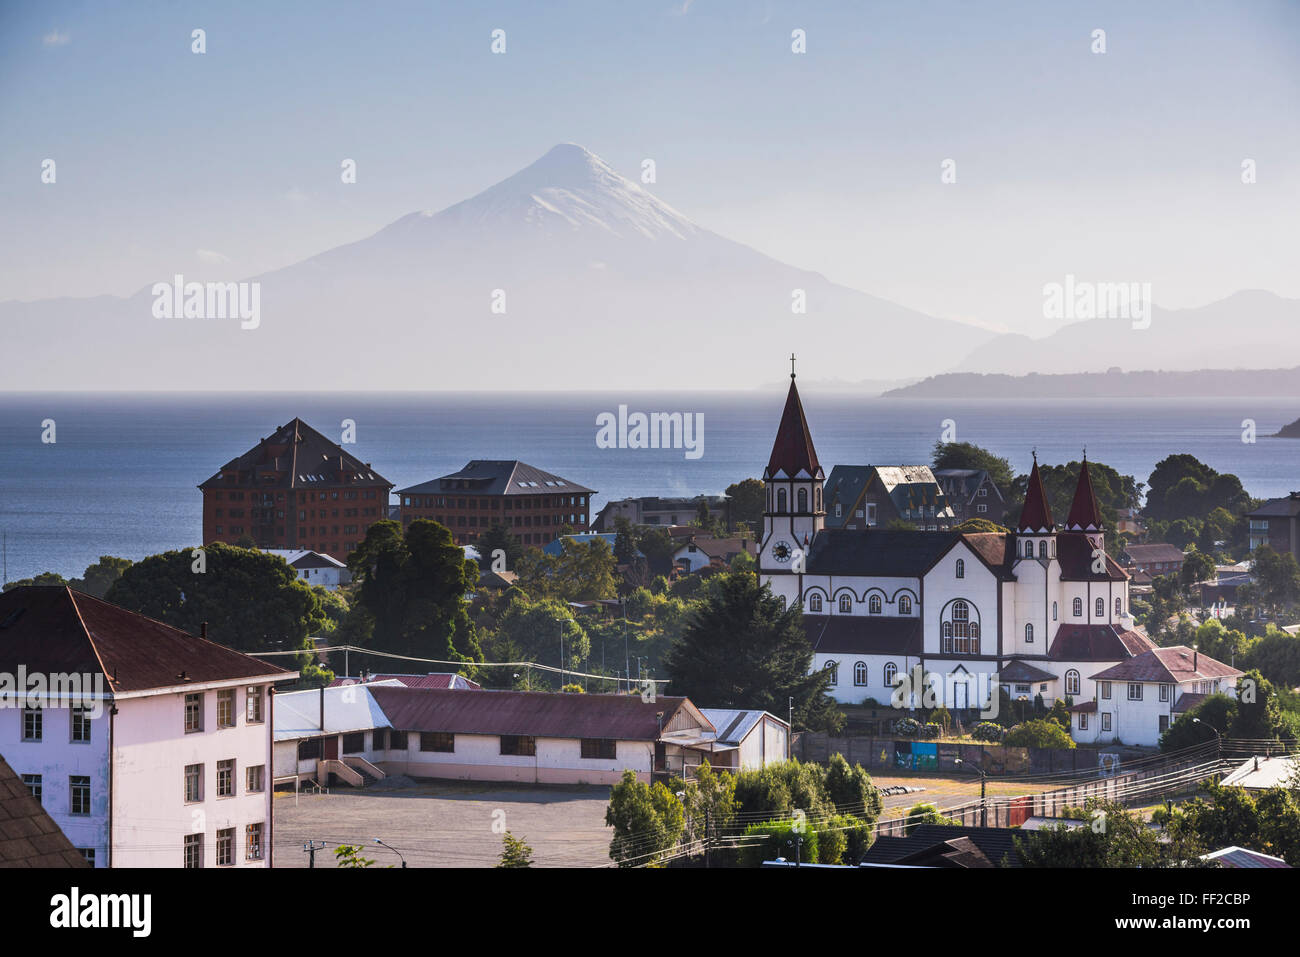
1038,610
150,747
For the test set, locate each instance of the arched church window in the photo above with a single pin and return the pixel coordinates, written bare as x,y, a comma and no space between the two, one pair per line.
1042,549
1101,607
817,499
891,674
802,499
780,501
961,568
860,673
1078,608
834,668
874,605
1029,634
1072,682
1054,610
815,603
846,604
905,605
1029,549
1119,607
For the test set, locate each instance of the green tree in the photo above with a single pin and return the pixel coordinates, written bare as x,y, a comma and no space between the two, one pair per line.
349,855
746,502
498,537
1038,733
1216,711
850,789
514,852
710,802
1113,837
44,578
98,578
648,820
964,455
251,601
741,649
926,814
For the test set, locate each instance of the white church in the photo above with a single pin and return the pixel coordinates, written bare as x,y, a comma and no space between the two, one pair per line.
1037,610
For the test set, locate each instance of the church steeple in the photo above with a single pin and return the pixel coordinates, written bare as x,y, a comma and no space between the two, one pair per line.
1036,515
793,479
1085,515
793,454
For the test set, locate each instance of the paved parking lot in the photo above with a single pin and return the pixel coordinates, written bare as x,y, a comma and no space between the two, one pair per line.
446,824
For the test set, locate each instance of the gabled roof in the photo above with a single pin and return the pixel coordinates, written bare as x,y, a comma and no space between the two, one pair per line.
1085,514
997,550
57,629
844,486
877,552
1076,553
995,843
863,634
722,548
296,456
347,709
1036,515
29,837
301,558
1278,507
792,452
1173,665
965,483
1023,671
1261,773
1097,643
1155,552
499,477
734,725
1235,856
537,713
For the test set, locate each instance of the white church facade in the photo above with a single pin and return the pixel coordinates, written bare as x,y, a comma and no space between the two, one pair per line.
1036,610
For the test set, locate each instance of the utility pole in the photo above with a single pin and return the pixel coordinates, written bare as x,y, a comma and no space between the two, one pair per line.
311,847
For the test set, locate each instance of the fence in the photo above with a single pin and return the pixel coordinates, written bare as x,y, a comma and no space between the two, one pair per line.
883,754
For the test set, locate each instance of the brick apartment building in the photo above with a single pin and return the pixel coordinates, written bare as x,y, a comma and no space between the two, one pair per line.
535,505
1276,524
295,489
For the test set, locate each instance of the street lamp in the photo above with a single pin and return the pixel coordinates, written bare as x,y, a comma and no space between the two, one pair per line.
393,849
560,622
984,811
1218,738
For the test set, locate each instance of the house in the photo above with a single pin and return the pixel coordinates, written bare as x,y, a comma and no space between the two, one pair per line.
148,747
534,505
971,493
1237,857
946,845
1044,602
556,547
314,568
1154,560
657,510
1137,700
28,835
295,489
1262,773
701,551
384,727
867,496
1128,521
1276,524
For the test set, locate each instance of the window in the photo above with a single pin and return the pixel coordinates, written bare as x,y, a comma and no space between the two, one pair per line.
396,740
1101,608
226,708
226,778
905,605
193,850
1163,723
802,499
225,847
860,673
1104,690
871,513
874,605
781,500
834,669
891,674
1072,682
846,604
80,722
599,748
1029,549
1083,721
1135,691
354,743
983,492
1054,611
253,711
1105,721
88,854
33,724
437,741
253,842
79,794
1164,692
961,568
981,507
815,603
1078,608
255,778
1119,607
380,740
309,750
33,783
839,510
1042,549
194,712
520,745
193,783
1029,634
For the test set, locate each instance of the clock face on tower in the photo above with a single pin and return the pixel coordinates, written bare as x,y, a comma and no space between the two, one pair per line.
781,551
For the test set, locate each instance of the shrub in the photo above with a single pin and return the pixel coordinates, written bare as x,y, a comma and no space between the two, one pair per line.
930,731
775,841
907,727
1039,733
987,731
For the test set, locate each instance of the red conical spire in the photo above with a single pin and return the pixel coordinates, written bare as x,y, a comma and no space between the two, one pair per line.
793,450
1036,516
1085,516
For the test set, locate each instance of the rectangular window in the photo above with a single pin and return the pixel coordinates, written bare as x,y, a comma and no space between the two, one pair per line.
79,794
33,782
253,842
254,709
1105,689
88,853
226,778
193,850
1164,723
396,740
437,741
1135,691
226,708
255,778
354,743
309,749
225,847
80,723
1083,721
1105,721
599,748
32,724
1164,692
193,783
380,739
518,744
194,712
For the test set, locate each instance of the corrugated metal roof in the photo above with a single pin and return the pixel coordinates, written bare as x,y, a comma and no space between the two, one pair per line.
347,708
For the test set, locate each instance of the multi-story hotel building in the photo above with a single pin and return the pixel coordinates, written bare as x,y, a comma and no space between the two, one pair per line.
295,489
149,747
533,504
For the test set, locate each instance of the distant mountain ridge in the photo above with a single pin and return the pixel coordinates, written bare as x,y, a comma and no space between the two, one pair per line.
1111,384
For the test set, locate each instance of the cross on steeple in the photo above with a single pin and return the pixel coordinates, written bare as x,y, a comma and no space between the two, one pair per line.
792,365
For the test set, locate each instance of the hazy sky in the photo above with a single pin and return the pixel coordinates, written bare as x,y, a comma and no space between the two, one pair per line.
1124,165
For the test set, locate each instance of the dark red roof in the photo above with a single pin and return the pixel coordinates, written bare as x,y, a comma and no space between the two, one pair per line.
1036,515
863,634
57,629
537,713
1085,516
1075,553
1172,665
296,456
28,835
1097,643
1023,671
793,450
995,549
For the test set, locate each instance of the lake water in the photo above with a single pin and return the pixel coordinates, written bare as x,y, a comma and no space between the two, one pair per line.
121,477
